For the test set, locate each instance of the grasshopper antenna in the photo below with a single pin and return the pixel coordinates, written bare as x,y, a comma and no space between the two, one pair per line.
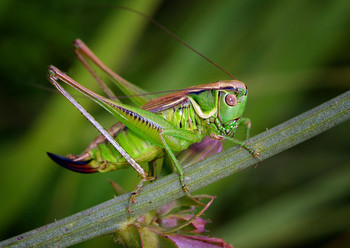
175,37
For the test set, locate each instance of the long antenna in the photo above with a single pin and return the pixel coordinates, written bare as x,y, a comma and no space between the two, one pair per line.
175,37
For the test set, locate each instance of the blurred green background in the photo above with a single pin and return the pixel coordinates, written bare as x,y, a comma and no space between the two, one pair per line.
293,55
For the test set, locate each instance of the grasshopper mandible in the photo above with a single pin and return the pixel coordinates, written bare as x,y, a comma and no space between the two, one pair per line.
144,133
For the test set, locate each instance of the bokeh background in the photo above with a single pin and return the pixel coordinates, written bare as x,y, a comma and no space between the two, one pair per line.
293,55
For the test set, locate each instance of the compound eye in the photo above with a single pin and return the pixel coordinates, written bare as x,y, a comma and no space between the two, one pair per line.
231,100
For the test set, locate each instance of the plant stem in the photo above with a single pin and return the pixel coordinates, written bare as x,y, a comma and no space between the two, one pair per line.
104,218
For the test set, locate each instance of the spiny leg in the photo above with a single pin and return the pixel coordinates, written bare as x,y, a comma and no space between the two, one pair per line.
126,87
252,151
82,51
179,170
247,124
136,192
153,174
152,169
81,58
54,76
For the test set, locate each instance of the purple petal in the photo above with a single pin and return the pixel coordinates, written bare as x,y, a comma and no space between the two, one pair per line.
169,222
166,208
199,225
186,241
199,151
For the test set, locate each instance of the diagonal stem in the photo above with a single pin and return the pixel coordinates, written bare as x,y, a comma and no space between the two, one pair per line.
106,217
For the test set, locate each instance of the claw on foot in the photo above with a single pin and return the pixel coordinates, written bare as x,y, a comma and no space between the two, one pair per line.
186,189
135,193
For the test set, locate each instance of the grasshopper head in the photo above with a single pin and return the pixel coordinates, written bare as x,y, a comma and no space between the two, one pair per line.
231,105
224,100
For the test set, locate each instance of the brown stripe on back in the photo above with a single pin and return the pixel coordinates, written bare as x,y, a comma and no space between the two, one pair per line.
173,99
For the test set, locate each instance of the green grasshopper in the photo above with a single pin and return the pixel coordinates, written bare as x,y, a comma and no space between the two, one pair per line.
145,132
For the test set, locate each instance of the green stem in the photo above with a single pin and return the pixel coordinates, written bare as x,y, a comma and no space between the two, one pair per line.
104,218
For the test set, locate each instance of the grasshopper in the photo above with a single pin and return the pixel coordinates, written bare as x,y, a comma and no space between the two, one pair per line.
145,132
